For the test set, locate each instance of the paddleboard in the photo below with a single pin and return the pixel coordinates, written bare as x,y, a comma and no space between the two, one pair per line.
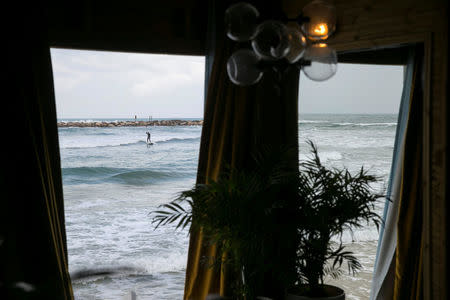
150,143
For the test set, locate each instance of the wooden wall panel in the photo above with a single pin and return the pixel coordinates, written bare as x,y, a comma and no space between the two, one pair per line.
370,24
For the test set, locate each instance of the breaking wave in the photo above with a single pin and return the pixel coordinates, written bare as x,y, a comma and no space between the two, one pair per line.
95,175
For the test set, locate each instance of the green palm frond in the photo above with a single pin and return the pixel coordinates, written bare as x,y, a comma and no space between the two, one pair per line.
173,212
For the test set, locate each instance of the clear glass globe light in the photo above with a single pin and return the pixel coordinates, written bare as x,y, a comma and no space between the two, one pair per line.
241,21
297,43
323,62
271,40
322,20
242,68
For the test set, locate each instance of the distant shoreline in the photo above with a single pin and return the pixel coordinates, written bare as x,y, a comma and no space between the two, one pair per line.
131,123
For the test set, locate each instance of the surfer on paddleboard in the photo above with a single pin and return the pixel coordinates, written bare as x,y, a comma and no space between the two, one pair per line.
148,137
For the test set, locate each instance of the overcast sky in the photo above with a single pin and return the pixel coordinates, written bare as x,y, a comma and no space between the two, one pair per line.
96,84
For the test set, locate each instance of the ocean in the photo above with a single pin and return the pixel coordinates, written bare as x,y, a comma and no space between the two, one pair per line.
112,180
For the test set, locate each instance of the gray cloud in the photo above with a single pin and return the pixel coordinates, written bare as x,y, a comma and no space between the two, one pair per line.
97,84
107,84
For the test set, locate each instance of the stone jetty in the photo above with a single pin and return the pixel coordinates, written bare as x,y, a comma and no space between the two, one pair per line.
132,123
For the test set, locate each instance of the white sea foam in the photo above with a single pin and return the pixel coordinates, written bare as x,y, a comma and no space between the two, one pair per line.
366,234
312,121
377,124
165,261
366,124
324,156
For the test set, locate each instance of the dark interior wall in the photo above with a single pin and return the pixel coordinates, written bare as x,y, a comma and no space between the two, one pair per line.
169,26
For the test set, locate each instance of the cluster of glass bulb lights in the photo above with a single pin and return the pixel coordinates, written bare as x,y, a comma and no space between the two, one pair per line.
299,42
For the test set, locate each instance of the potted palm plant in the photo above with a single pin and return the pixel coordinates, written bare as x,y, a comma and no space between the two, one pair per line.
331,201
278,223
243,212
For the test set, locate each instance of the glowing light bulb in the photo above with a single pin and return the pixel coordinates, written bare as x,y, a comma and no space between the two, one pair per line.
322,20
321,29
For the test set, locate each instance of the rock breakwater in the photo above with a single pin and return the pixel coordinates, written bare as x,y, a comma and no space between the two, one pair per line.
132,123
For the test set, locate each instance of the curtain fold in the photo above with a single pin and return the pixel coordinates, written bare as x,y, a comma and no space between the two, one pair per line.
237,121
397,272
409,252
33,254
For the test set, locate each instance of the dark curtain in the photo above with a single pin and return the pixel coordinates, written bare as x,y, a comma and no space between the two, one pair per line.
33,254
237,121
408,283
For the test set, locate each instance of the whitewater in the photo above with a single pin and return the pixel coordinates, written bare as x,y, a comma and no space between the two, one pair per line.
112,180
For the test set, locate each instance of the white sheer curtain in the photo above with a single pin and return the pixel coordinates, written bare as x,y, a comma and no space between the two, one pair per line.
383,276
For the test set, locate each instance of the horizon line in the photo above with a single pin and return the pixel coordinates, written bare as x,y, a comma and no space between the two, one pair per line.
190,117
